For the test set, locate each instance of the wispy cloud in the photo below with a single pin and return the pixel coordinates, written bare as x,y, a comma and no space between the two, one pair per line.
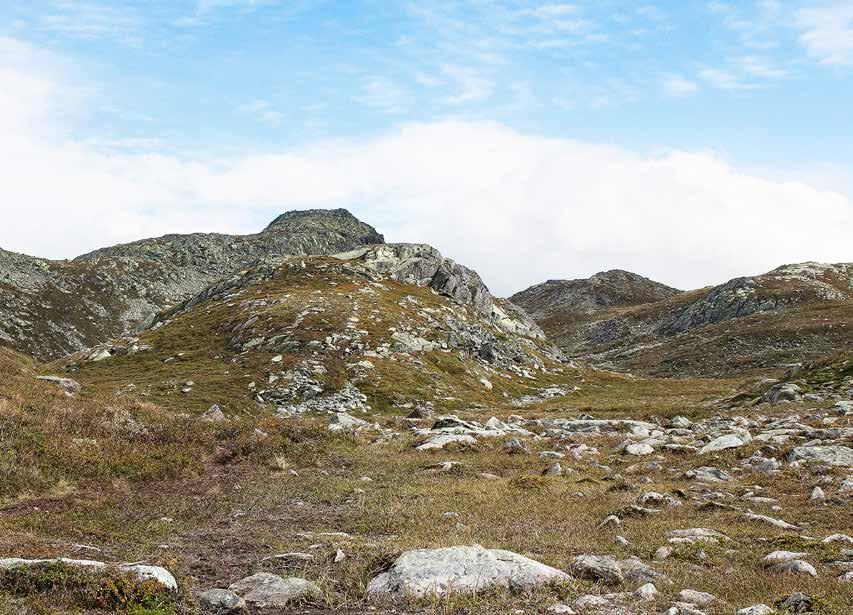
676,85
826,32
725,80
472,86
263,111
383,94
90,20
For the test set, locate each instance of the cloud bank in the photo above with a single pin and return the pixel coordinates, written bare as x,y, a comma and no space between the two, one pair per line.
519,208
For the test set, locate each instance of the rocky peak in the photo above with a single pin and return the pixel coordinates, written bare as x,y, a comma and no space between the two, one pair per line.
51,308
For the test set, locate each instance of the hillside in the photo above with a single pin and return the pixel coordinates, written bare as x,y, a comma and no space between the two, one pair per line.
51,308
796,313
339,434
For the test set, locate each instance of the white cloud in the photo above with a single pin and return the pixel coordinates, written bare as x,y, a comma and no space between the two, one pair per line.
519,208
827,32
676,85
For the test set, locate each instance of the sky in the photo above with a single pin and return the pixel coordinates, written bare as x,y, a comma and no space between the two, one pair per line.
687,141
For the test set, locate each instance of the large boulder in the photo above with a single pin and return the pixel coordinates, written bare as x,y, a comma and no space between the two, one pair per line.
461,569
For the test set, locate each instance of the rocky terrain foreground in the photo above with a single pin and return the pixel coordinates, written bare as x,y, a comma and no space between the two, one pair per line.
369,430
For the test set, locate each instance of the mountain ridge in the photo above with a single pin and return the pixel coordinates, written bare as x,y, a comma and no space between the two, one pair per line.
752,322
50,308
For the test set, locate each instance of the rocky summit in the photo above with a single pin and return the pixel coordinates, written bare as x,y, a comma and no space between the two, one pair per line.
310,420
51,308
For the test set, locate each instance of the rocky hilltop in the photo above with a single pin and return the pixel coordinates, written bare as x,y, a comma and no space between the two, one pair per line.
51,308
606,289
794,313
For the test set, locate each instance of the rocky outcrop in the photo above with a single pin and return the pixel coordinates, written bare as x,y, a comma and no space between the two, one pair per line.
423,265
51,308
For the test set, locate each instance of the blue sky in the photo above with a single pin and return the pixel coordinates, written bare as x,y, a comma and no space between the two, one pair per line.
764,88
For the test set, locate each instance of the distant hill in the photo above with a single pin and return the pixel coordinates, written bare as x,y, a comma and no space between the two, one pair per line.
794,313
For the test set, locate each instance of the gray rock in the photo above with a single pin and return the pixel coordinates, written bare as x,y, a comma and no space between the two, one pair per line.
778,557
797,602
646,592
750,516
708,474
461,569
553,470
609,570
691,596
696,535
222,601
784,391
266,590
639,449
71,387
840,456
213,414
756,609
439,441
722,443
794,566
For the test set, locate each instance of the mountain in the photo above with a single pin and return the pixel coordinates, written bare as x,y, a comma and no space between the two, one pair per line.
794,313
50,308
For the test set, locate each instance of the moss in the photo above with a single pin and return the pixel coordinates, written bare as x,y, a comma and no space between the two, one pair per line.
81,588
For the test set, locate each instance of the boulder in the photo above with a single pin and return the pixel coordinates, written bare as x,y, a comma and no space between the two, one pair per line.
722,443
222,601
441,440
784,391
840,456
266,590
608,569
460,569
708,474
71,387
